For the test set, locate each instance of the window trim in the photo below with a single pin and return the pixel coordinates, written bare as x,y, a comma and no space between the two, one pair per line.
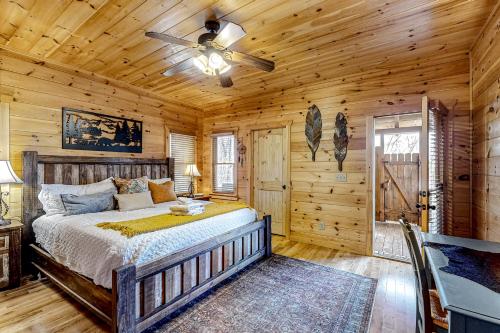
234,193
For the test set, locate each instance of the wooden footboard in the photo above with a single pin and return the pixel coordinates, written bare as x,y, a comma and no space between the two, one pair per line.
142,295
145,294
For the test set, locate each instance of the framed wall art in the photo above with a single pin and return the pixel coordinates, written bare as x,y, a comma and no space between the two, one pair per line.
83,130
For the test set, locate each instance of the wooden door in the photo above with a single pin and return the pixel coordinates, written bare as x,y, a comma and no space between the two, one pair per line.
398,176
271,186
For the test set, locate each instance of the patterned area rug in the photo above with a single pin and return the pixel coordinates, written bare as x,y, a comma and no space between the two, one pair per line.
280,294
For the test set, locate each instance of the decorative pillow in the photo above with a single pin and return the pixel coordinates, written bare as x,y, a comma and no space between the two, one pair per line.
90,203
133,201
128,186
162,192
50,195
160,180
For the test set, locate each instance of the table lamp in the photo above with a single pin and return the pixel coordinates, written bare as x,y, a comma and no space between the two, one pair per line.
7,176
192,171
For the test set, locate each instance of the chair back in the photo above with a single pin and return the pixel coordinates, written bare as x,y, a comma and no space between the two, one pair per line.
424,319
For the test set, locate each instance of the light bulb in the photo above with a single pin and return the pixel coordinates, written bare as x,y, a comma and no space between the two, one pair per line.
215,61
201,62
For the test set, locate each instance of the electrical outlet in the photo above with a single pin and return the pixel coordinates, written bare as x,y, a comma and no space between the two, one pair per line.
321,226
341,177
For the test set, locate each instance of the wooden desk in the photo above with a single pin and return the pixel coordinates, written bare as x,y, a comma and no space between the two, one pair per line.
471,307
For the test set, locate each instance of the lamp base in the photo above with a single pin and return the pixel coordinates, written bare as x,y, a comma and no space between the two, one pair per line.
191,189
4,222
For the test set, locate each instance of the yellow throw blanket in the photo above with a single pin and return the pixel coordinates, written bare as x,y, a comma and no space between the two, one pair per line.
154,223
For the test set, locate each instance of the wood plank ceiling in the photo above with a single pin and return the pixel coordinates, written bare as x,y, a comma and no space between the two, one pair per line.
310,40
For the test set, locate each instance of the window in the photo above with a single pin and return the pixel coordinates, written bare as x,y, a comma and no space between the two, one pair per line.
183,150
402,143
224,166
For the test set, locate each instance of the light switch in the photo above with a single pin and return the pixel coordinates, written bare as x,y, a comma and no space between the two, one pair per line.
341,177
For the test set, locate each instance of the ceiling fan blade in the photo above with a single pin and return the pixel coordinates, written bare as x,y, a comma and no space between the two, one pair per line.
179,67
229,35
172,40
249,60
225,81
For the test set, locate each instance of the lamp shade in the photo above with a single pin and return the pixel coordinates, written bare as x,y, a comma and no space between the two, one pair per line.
192,170
7,174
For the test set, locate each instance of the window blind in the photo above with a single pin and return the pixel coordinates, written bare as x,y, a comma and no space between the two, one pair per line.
183,150
436,171
224,166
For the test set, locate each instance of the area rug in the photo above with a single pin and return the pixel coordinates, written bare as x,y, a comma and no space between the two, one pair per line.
280,294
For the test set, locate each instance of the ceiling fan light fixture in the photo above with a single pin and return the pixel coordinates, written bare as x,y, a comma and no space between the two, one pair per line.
201,62
212,64
225,67
215,61
217,64
214,57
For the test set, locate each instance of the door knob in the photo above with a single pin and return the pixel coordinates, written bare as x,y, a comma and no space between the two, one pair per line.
284,187
420,206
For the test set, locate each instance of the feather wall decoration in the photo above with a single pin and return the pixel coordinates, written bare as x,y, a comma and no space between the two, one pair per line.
313,129
340,138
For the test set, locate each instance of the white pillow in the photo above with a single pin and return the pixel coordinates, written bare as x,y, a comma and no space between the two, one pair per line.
133,201
50,195
160,181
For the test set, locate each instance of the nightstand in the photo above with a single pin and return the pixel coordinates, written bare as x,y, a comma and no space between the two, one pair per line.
10,255
203,197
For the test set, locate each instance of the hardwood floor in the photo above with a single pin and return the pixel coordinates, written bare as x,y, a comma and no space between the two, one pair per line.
41,307
394,307
389,241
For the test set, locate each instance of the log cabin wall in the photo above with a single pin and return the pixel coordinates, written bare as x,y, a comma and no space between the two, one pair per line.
33,93
485,76
368,57
316,195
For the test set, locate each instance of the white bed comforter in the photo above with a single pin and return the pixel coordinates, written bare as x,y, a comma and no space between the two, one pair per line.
77,243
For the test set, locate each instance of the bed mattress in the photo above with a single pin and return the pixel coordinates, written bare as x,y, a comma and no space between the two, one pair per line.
77,243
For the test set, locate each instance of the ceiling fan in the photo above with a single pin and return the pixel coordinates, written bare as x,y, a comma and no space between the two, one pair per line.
214,58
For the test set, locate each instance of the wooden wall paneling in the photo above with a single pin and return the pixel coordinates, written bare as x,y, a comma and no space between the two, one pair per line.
5,143
325,211
4,126
40,90
485,106
368,58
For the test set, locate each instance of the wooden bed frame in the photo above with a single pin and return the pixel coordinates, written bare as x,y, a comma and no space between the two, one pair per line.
141,295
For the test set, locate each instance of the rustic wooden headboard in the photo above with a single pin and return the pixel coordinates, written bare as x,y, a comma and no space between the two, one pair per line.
78,170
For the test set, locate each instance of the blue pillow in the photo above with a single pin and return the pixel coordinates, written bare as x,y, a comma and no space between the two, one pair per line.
90,203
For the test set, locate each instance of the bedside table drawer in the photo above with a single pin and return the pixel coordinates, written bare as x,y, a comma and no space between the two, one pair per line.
10,255
4,243
4,270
